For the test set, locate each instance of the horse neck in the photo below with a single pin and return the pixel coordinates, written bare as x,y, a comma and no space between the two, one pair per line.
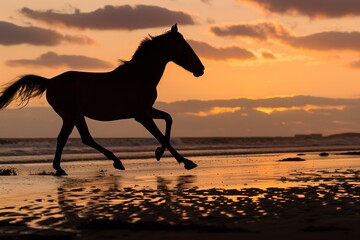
150,68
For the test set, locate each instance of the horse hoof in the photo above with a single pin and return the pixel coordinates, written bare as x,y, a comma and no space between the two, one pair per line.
118,165
189,165
159,153
60,172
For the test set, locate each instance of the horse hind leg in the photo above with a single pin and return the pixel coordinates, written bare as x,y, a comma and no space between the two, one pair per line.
62,138
88,140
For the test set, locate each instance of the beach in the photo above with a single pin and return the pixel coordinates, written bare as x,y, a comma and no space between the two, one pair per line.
235,196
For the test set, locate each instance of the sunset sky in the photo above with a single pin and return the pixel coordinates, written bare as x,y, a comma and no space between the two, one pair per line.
255,49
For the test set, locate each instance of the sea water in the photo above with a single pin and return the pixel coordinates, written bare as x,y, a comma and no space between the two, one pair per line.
41,150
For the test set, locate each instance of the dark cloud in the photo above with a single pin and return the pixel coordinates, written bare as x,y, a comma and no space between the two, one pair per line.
267,55
259,30
109,17
220,53
245,103
206,1
327,41
272,31
247,117
51,59
11,34
290,115
311,8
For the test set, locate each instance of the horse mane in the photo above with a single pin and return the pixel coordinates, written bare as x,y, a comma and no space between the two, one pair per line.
146,44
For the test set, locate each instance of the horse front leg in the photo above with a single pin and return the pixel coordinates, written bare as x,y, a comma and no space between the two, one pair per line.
150,125
62,138
158,114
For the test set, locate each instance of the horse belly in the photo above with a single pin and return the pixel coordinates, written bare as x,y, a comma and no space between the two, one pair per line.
106,112
115,107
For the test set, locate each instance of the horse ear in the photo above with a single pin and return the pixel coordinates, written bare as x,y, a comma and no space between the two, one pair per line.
174,28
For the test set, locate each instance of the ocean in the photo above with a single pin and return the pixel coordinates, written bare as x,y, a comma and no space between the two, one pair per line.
41,150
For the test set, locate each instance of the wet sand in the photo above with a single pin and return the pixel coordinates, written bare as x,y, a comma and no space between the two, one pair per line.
247,196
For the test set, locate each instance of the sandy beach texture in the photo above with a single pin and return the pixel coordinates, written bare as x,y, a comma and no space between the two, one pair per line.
229,197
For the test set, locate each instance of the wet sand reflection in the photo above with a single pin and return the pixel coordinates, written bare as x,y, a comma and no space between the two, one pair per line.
104,202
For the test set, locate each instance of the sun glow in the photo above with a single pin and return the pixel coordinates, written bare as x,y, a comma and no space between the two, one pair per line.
216,111
306,108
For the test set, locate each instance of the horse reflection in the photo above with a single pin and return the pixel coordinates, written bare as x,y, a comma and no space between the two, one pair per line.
83,201
129,91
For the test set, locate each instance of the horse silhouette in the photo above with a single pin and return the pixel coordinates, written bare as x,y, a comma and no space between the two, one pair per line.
129,91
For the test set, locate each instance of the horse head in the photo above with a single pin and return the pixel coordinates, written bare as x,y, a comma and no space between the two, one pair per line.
183,55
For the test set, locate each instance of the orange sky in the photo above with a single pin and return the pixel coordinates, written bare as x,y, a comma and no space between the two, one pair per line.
260,56
297,47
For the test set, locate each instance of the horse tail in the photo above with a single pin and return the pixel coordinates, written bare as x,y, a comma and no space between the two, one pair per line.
22,90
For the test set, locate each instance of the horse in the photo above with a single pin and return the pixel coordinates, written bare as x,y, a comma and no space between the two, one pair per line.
127,92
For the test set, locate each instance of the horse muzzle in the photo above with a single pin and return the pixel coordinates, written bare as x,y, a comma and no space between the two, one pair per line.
198,74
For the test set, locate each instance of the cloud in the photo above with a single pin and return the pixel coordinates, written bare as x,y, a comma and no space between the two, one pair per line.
215,111
220,53
307,108
355,64
273,31
267,55
327,41
12,34
51,59
311,8
206,1
284,116
259,30
123,17
305,103
280,116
